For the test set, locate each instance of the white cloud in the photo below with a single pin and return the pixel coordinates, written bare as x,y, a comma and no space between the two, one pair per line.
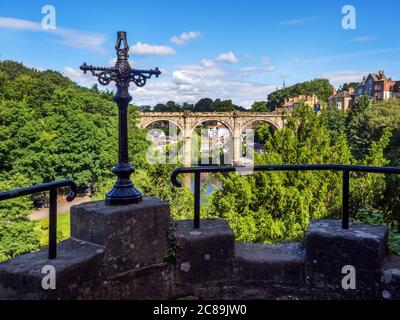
165,72
68,37
144,49
81,40
79,77
13,23
266,66
364,39
181,77
189,83
185,37
228,57
337,78
208,63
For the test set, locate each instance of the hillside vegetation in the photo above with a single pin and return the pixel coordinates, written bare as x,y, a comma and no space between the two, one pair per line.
50,129
320,87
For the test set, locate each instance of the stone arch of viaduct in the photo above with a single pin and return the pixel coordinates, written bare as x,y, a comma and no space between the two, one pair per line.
236,123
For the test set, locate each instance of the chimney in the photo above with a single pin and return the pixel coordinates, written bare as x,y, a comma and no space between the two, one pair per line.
351,90
381,74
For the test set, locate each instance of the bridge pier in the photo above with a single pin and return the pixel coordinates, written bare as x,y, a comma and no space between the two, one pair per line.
236,146
187,152
187,146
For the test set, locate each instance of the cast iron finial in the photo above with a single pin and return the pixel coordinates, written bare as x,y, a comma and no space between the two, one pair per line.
124,192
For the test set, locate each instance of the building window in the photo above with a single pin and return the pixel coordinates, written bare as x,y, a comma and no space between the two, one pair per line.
339,105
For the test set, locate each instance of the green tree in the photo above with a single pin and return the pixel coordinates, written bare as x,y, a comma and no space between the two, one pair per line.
358,127
260,106
222,106
17,233
346,86
385,115
335,121
160,107
203,105
320,87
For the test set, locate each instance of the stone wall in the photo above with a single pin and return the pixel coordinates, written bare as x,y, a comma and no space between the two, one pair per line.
137,252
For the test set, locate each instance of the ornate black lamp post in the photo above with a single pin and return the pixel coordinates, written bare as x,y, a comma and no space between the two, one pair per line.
124,192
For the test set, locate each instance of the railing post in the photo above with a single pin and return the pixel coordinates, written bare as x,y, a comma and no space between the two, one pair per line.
345,169
53,224
197,200
345,200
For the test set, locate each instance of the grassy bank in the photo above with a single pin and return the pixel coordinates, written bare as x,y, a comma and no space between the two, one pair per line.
63,228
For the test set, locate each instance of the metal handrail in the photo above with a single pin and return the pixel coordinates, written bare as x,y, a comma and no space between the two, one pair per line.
345,169
52,187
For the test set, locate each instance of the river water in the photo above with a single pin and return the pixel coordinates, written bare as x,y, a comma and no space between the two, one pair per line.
212,183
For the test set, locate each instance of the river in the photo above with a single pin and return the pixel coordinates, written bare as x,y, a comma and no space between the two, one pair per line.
212,183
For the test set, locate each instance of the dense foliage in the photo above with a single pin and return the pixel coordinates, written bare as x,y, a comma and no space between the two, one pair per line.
50,129
320,87
346,86
203,105
17,233
261,106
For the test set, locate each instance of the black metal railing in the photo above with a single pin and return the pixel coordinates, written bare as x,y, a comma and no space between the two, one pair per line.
53,188
345,169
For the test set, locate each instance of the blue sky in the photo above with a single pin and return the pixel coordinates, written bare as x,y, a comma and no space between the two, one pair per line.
239,50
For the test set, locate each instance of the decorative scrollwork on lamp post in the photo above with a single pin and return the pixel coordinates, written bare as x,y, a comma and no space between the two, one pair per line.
123,192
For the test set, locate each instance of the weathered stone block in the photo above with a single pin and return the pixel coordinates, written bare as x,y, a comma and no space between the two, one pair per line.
278,264
206,254
78,270
134,236
146,283
329,248
391,278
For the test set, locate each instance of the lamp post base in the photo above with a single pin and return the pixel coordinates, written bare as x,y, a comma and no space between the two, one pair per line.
122,196
124,192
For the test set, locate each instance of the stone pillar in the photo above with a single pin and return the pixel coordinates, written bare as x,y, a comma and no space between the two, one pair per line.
205,256
187,147
134,236
187,150
333,253
135,244
237,147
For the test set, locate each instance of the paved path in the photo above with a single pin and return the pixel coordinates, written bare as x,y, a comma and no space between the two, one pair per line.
63,206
